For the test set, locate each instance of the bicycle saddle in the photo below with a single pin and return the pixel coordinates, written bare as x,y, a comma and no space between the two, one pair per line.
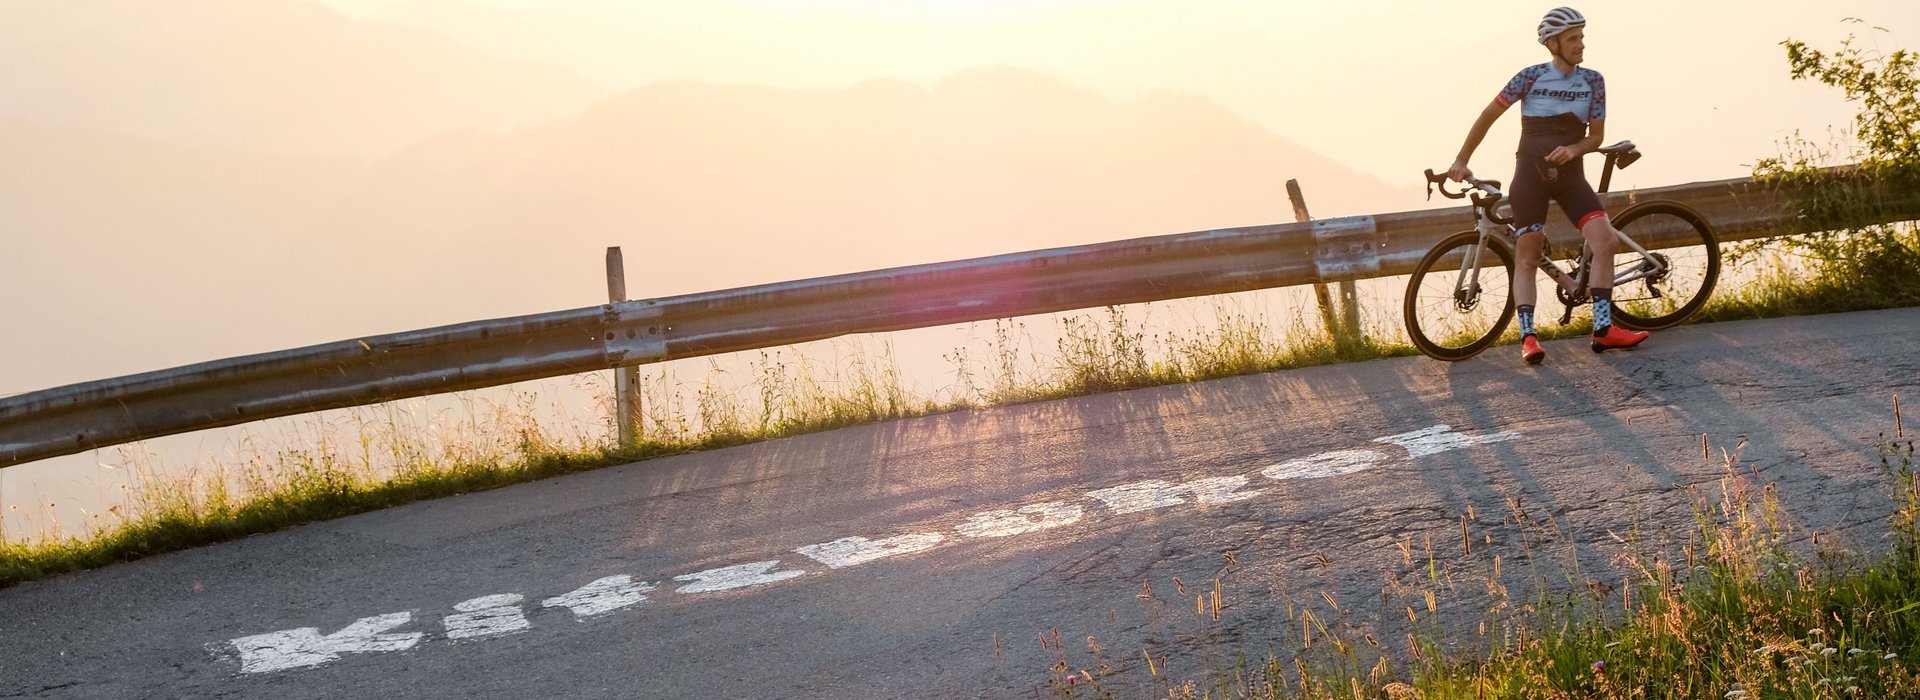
1624,153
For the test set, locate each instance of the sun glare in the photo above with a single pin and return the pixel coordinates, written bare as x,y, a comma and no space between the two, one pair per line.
916,10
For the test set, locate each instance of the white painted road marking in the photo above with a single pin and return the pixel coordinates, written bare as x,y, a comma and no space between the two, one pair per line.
1441,438
1324,464
494,615
848,551
1224,489
727,578
1033,518
487,616
602,596
294,648
1139,496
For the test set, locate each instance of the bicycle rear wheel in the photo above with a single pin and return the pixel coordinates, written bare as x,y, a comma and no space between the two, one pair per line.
1453,314
1678,236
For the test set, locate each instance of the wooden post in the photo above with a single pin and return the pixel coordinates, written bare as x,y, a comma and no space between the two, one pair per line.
626,380
1346,327
1327,317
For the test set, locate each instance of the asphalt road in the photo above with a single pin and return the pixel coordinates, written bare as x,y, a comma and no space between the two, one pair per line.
963,555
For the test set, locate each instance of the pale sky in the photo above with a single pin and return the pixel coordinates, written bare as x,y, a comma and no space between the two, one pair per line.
1385,86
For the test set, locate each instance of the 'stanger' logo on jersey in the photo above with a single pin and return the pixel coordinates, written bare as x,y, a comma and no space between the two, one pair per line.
1568,95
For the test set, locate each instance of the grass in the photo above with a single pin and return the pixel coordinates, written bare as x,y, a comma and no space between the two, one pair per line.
388,460
1743,606
383,456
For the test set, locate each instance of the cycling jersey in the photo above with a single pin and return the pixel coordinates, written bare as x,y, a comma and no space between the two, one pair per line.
1555,111
1543,91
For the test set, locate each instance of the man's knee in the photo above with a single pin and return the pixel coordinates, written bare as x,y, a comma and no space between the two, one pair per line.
1527,250
1601,237
1530,238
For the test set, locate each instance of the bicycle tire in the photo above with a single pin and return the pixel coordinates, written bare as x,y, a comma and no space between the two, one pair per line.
1428,289
1694,259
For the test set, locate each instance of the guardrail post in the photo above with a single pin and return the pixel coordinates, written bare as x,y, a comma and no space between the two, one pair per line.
626,380
1345,326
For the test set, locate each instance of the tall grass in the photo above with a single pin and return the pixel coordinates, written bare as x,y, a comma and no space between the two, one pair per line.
1744,606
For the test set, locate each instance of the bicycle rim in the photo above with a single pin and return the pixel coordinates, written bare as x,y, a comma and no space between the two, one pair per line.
1452,319
1678,235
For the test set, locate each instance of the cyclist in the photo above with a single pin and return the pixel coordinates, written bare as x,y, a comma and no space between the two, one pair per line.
1563,117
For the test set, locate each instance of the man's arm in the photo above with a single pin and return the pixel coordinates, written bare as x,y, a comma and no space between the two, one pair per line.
1475,135
1596,133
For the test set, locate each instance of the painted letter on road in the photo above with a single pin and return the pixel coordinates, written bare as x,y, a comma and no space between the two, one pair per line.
1441,438
602,596
1324,464
294,648
1039,516
727,578
848,551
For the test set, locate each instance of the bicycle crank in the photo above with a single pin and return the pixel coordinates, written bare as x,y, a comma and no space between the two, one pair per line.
1568,302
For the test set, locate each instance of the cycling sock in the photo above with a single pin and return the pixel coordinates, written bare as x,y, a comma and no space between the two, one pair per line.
1526,320
1602,309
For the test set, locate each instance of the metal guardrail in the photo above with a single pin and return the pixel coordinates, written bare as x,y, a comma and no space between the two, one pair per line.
79,417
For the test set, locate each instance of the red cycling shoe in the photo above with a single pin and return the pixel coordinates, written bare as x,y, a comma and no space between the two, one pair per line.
1530,350
1617,338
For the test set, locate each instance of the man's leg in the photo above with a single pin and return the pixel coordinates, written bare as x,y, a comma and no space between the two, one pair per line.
1526,274
1529,199
1603,241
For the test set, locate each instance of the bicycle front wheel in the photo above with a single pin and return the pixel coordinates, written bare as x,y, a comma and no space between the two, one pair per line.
1460,296
1671,282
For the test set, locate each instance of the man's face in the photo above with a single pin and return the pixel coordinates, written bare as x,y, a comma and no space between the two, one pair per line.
1571,45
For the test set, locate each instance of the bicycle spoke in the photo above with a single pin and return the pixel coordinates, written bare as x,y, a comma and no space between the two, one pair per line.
1668,282
1455,307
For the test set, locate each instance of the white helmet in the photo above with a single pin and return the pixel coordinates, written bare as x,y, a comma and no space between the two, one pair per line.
1558,20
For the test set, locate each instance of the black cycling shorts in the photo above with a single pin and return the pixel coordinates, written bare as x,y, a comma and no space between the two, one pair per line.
1535,180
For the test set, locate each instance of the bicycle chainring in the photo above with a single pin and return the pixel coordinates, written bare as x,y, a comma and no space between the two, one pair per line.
1569,299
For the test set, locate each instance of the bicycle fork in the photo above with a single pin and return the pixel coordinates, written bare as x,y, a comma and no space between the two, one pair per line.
1466,281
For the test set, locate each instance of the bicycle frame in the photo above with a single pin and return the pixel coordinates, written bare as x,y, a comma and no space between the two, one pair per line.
1572,282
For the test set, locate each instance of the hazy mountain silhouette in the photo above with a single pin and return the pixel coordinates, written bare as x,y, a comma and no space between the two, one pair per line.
277,76
128,254
124,254
721,185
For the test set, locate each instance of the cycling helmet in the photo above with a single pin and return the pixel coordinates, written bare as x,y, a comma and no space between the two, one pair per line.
1558,20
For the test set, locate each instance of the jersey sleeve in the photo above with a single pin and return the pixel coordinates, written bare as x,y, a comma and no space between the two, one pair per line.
1517,87
1597,107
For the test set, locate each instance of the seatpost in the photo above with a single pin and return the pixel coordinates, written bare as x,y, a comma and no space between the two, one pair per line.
1606,173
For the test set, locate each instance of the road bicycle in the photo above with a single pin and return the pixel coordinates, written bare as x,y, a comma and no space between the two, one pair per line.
1459,299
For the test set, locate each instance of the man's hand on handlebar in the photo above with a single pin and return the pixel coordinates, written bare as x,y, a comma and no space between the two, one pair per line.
1459,171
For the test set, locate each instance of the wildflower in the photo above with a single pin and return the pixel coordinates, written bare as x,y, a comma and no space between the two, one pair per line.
1815,632
1611,645
1736,694
1828,651
1598,665
1890,656
1856,651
